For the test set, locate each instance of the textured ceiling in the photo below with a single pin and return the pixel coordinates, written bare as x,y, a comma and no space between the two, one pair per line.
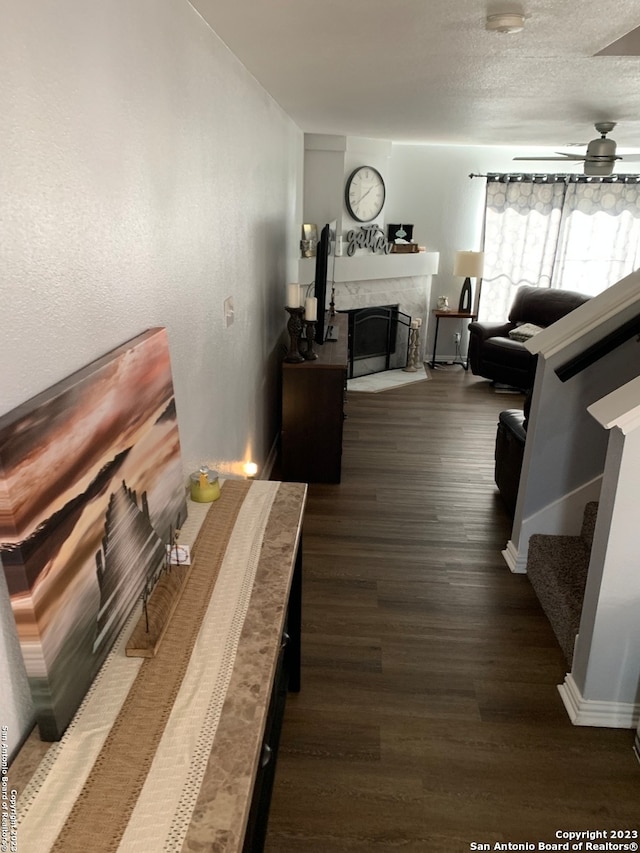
428,70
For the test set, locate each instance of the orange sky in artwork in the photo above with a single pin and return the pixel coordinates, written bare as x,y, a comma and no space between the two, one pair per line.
60,447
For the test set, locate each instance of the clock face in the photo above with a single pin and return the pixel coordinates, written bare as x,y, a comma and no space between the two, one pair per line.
364,193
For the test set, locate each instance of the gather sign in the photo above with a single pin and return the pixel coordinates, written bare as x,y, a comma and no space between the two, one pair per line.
368,237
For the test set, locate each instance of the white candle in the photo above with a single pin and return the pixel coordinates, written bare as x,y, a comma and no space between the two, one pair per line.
293,296
311,309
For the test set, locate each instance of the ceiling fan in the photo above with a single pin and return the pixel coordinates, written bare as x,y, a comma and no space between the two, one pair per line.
600,155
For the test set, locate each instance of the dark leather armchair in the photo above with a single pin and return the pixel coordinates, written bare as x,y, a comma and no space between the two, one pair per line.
509,453
494,355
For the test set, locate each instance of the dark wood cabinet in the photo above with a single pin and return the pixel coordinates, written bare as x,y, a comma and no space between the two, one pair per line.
313,397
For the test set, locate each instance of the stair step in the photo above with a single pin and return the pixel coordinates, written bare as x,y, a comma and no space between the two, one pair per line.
557,567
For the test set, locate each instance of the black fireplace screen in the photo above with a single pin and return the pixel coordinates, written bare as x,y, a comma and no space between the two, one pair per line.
378,339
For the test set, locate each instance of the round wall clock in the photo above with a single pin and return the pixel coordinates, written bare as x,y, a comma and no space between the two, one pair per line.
364,193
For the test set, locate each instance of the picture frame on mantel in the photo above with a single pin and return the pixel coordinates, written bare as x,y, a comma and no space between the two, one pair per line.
309,240
400,232
310,232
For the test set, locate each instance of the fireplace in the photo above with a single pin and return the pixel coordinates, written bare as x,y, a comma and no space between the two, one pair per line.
378,339
367,280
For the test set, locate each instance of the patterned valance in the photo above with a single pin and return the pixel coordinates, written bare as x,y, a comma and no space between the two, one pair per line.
555,178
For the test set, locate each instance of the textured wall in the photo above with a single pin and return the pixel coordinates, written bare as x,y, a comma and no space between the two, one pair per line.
145,178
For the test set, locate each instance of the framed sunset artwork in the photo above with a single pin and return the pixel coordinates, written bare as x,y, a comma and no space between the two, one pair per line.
91,488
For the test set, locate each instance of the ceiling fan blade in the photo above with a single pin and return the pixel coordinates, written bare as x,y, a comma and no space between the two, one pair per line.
563,158
600,156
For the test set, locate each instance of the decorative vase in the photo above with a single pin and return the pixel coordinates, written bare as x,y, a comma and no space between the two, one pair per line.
294,327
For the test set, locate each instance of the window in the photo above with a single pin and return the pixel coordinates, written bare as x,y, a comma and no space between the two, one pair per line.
557,231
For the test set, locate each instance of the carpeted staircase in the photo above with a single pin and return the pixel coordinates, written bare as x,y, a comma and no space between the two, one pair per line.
557,567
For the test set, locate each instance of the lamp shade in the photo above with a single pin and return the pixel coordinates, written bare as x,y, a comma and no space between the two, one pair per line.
469,264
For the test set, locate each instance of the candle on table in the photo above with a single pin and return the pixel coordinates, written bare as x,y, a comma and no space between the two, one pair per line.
293,296
250,469
311,309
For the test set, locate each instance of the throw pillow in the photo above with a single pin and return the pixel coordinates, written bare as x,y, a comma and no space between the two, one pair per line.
524,332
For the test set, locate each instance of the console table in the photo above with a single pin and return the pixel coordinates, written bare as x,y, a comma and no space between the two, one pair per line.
205,783
452,315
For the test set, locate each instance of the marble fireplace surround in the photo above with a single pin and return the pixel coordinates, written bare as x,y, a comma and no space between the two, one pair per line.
368,280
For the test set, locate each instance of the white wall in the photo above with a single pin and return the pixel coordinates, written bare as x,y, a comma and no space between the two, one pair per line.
145,178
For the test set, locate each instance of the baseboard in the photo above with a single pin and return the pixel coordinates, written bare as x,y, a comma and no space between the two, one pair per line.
512,558
587,712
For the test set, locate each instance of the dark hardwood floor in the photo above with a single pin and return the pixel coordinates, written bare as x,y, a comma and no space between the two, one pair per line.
429,717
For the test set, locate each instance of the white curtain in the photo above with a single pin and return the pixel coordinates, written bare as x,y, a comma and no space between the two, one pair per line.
564,233
521,228
599,236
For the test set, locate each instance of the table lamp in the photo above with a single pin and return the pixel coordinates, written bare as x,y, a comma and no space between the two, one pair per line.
470,265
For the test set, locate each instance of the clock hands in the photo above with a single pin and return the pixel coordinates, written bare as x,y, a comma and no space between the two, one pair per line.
365,194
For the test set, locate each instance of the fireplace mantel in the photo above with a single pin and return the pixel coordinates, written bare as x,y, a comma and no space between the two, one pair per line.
368,267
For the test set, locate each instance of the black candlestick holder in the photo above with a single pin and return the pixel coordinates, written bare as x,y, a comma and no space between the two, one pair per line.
310,332
294,327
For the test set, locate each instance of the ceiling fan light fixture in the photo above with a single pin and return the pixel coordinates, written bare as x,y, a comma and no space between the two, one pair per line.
601,169
601,147
506,22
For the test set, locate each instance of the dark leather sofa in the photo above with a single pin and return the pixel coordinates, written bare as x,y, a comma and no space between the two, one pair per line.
495,356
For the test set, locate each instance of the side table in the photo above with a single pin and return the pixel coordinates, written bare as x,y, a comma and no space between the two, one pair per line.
454,315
